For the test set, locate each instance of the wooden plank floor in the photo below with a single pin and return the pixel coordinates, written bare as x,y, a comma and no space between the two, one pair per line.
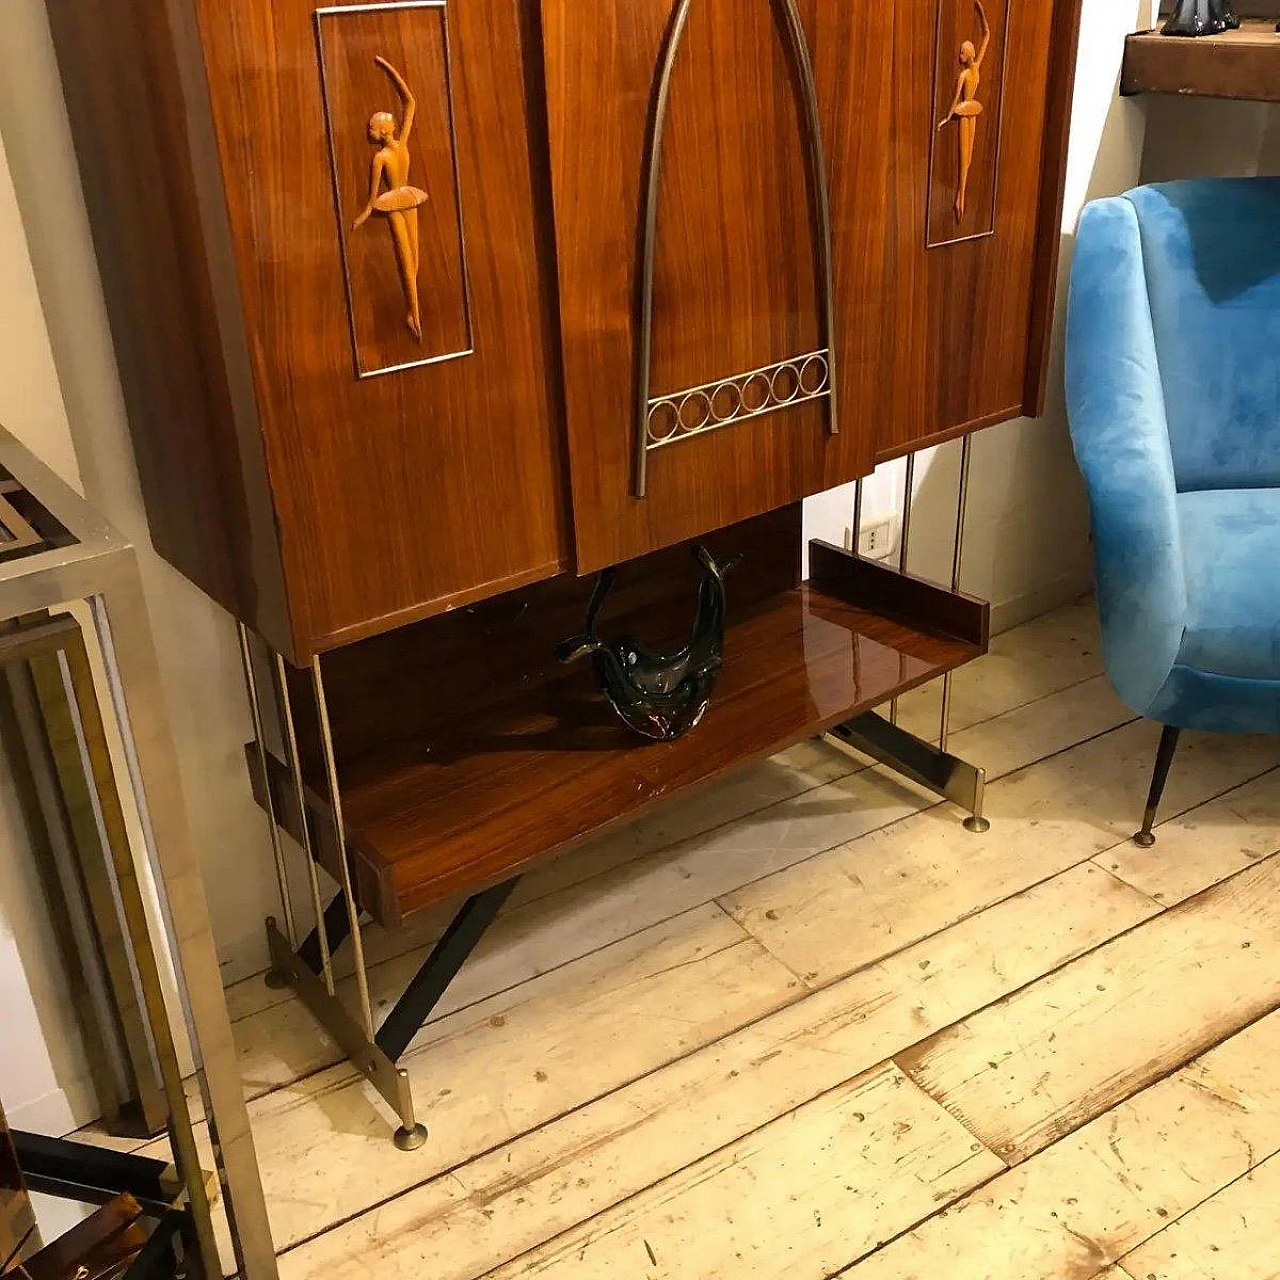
806,1026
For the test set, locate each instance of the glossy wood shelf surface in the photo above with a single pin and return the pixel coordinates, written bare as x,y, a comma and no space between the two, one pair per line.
1242,64
544,763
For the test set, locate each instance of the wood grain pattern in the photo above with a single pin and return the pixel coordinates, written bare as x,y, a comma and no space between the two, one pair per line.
805,914
1053,186
555,1178
102,1244
1091,1198
370,475
1243,64
322,508
962,311
1191,853
450,788
139,113
1231,1236
800,1198
900,595
1017,1074
414,40
734,191
648,1001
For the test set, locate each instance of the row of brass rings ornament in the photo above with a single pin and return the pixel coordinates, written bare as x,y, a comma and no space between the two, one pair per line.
705,408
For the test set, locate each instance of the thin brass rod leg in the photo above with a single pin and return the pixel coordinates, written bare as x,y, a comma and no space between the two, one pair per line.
957,563
277,843
977,822
340,833
285,699
908,486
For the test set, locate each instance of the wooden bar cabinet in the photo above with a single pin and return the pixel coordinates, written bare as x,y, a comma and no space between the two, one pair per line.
428,310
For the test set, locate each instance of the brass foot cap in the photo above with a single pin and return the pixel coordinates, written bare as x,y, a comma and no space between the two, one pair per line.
1144,839
979,826
276,980
410,1139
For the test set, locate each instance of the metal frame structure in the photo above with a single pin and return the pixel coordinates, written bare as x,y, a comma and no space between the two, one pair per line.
82,852
333,12
100,568
884,740
649,406
94,1175
308,966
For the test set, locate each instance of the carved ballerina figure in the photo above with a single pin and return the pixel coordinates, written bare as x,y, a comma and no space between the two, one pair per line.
965,107
400,202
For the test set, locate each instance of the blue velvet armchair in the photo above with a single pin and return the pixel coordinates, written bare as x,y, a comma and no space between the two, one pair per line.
1173,390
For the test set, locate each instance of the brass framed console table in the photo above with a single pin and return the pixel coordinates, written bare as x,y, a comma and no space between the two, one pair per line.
55,551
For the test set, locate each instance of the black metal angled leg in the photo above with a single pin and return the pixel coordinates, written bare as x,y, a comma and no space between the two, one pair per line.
377,1054
77,1171
432,980
1144,838
337,928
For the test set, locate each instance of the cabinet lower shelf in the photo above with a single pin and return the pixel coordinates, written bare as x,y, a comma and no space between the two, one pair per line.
531,774
1243,64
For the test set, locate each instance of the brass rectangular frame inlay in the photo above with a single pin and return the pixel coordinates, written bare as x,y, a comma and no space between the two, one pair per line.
945,53
370,369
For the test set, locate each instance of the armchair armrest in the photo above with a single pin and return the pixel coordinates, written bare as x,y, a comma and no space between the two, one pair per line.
1116,405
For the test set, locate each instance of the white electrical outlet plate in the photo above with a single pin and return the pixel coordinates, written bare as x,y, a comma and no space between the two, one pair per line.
877,541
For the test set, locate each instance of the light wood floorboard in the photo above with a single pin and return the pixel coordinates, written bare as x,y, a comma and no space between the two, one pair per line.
1234,1235
767,1030
826,1182
1053,1055
830,913
511,1063
1196,848
555,1178
1090,1199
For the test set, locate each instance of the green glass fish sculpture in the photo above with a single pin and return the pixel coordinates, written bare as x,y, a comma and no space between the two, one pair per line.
659,695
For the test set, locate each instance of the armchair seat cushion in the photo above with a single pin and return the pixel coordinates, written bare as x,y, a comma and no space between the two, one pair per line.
1231,559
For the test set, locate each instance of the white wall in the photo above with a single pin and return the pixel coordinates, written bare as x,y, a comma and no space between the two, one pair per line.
1206,137
1026,540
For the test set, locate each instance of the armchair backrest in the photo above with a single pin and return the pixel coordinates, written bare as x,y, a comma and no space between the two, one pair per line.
1211,255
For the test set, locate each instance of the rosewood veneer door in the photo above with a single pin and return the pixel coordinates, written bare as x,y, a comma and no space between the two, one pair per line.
397,298
974,285
738,263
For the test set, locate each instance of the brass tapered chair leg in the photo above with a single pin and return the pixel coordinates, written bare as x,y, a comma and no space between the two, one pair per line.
1144,838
